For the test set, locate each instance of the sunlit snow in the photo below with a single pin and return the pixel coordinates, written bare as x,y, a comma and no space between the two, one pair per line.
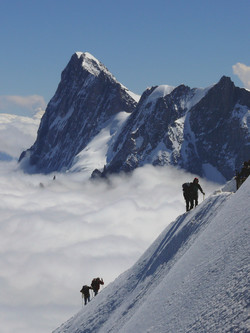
193,278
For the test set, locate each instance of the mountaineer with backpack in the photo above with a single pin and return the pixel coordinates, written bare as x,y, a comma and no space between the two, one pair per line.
186,187
190,193
95,284
243,174
85,293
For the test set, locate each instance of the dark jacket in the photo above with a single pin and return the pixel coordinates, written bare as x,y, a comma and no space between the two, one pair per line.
85,290
190,190
95,284
194,189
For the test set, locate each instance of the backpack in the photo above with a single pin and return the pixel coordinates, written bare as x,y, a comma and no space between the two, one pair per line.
186,187
95,284
85,290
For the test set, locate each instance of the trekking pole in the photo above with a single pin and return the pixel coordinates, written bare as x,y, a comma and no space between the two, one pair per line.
203,197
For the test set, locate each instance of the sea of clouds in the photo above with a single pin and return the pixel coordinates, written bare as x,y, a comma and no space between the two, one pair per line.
57,234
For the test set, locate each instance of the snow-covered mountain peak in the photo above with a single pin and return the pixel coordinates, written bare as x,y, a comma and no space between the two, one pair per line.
87,97
87,55
92,65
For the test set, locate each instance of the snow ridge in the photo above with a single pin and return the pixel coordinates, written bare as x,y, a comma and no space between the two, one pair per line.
193,278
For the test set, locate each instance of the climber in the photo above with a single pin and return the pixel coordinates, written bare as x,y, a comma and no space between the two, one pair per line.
190,193
95,284
85,293
243,174
195,186
186,187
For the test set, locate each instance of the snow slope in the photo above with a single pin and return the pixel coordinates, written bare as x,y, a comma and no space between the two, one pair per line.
193,278
95,154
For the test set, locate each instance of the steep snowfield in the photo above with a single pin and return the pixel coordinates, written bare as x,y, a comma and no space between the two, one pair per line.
95,154
193,278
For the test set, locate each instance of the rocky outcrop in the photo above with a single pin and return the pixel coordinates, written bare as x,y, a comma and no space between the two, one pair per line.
221,124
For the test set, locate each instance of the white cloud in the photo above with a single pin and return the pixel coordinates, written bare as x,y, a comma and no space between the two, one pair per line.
56,238
243,72
17,133
23,105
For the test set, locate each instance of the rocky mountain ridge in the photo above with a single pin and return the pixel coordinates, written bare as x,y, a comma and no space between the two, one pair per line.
204,131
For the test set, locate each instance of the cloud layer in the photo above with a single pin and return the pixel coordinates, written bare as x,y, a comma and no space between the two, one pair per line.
243,72
23,105
56,235
17,134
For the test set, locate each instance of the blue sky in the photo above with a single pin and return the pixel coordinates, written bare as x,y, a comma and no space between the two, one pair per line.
143,43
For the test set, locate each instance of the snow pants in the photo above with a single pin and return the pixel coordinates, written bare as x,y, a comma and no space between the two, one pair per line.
86,299
189,201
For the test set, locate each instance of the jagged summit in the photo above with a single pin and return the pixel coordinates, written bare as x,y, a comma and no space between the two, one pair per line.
86,55
91,64
225,79
87,97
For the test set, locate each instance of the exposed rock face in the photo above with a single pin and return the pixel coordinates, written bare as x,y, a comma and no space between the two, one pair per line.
87,97
221,123
204,131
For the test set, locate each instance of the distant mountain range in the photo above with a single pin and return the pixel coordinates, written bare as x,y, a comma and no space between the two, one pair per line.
94,122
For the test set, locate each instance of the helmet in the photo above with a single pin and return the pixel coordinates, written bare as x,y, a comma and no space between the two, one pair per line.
196,180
